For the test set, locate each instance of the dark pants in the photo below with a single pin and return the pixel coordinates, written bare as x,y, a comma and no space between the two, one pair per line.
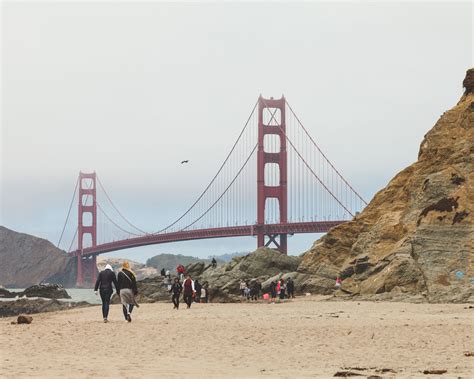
291,293
188,298
105,296
175,299
130,307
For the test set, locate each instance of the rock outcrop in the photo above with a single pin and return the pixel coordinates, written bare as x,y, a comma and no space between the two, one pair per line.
29,306
26,260
47,291
223,281
416,236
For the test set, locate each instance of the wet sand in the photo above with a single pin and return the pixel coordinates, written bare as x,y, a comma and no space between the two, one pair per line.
306,337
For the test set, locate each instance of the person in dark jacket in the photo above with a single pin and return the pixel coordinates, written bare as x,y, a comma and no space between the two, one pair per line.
104,285
176,289
273,290
290,287
128,290
214,263
253,290
197,287
259,288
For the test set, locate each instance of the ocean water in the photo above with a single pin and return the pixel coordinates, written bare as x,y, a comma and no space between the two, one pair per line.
77,294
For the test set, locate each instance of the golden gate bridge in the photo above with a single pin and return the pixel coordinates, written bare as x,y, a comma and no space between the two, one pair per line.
274,182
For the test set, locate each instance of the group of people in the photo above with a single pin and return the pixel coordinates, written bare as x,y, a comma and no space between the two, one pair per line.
277,289
125,283
192,291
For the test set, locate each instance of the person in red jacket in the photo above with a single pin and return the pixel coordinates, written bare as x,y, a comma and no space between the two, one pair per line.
188,291
181,272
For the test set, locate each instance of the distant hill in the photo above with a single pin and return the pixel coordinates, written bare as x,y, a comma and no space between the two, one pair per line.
141,270
26,260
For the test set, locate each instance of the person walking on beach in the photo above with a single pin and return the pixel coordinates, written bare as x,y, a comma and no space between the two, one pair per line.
259,288
290,287
282,289
254,290
104,282
176,289
273,290
198,288
242,287
188,291
128,290
205,293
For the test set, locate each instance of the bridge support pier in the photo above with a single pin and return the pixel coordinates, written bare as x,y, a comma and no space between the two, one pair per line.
87,227
276,125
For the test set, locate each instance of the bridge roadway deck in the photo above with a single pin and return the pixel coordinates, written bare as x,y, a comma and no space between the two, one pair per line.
231,231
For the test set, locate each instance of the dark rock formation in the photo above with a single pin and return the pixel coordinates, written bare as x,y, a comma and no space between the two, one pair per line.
28,306
49,291
223,281
26,260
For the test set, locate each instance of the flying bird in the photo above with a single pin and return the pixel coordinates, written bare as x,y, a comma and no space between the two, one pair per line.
186,161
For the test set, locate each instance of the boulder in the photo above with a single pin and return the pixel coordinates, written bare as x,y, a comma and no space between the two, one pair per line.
5,294
24,319
49,291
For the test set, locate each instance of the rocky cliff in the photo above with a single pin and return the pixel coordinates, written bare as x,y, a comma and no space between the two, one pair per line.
416,236
26,260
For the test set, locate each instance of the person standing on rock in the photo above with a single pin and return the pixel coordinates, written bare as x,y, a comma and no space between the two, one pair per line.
104,284
188,291
128,290
290,287
176,289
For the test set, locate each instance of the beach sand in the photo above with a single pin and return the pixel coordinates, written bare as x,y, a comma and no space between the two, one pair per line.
306,337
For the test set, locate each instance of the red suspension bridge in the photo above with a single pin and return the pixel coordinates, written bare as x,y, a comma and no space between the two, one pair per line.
274,182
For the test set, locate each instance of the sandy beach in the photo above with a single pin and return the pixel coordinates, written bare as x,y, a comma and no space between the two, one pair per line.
306,337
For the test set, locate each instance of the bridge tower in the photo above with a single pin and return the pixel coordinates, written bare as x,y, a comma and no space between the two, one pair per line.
86,265
275,110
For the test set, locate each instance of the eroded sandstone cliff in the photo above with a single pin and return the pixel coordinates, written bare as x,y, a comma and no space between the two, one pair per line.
416,236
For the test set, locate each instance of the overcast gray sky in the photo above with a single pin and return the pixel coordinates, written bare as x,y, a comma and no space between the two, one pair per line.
130,89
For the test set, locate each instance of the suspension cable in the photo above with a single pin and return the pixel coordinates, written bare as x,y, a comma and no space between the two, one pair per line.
215,176
225,191
116,209
326,158
68,212
306,164
118,226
